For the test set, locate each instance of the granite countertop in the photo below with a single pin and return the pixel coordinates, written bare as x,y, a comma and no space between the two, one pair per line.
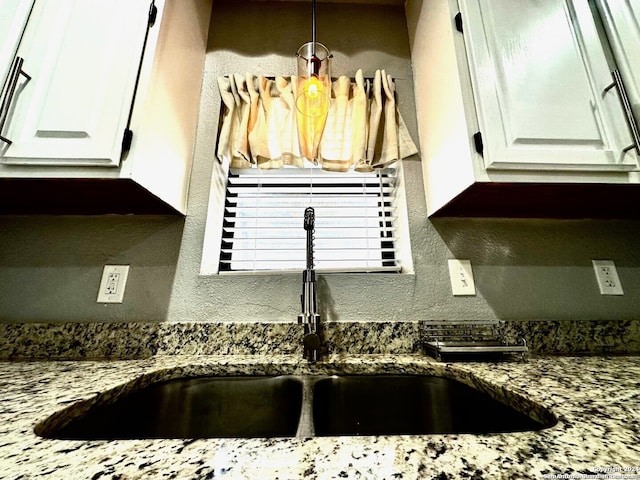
595,399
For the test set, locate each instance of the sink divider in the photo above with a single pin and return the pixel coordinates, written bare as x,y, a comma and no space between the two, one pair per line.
306,427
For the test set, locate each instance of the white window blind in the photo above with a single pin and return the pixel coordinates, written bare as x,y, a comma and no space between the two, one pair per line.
355,217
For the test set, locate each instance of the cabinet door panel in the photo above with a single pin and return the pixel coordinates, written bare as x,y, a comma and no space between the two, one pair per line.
13,18
83,57
539,70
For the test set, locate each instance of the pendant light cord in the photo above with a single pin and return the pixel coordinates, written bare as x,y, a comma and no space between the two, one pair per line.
313,27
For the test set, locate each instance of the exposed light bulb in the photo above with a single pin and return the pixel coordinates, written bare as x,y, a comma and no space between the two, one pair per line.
313,100
313,96
313,88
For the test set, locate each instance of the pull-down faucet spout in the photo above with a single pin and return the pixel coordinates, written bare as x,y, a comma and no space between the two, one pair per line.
309,318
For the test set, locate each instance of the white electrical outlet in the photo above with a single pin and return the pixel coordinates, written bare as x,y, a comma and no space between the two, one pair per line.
461,277
114,280
607,277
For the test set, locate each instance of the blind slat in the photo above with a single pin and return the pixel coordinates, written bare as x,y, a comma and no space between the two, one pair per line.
295,269
287,223
294,201
371,243
350,234
274,213
344,180
302,190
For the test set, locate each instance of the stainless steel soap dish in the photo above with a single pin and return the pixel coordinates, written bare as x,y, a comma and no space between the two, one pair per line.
463,340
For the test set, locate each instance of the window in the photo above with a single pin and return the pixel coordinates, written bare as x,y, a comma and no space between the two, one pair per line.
360,219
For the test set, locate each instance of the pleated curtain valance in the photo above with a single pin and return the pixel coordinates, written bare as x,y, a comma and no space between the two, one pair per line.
363,130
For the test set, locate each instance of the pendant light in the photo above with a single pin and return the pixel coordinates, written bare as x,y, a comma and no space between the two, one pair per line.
313,92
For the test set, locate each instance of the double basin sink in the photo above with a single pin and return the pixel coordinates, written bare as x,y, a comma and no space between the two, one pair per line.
292,406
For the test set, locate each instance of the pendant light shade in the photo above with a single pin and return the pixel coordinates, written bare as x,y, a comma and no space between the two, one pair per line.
314,79
313,92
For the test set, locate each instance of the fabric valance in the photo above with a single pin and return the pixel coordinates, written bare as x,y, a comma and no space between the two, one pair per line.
363,130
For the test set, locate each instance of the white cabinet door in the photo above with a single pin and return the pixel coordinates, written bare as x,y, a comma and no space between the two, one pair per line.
83,57
621,19
539,70
13,18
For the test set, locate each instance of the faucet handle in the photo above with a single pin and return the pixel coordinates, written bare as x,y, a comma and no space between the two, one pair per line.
311,341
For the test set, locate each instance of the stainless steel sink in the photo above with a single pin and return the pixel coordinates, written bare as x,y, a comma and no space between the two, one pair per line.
205,407
410,404
288,406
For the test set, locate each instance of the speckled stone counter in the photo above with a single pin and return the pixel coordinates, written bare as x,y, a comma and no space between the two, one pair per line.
91,340
595,399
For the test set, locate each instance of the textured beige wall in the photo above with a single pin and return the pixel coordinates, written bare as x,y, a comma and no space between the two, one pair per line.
50,267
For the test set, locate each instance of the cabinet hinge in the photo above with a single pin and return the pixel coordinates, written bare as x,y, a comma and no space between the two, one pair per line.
153,14
127,138
477,141
458,20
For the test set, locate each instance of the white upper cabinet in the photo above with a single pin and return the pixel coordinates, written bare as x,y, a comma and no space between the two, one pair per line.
539,70
101,115
83,57
517,109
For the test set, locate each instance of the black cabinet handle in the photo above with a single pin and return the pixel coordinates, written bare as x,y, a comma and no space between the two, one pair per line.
8,91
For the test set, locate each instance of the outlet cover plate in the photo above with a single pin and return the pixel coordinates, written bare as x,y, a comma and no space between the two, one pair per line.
607,277
461,277
112,285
